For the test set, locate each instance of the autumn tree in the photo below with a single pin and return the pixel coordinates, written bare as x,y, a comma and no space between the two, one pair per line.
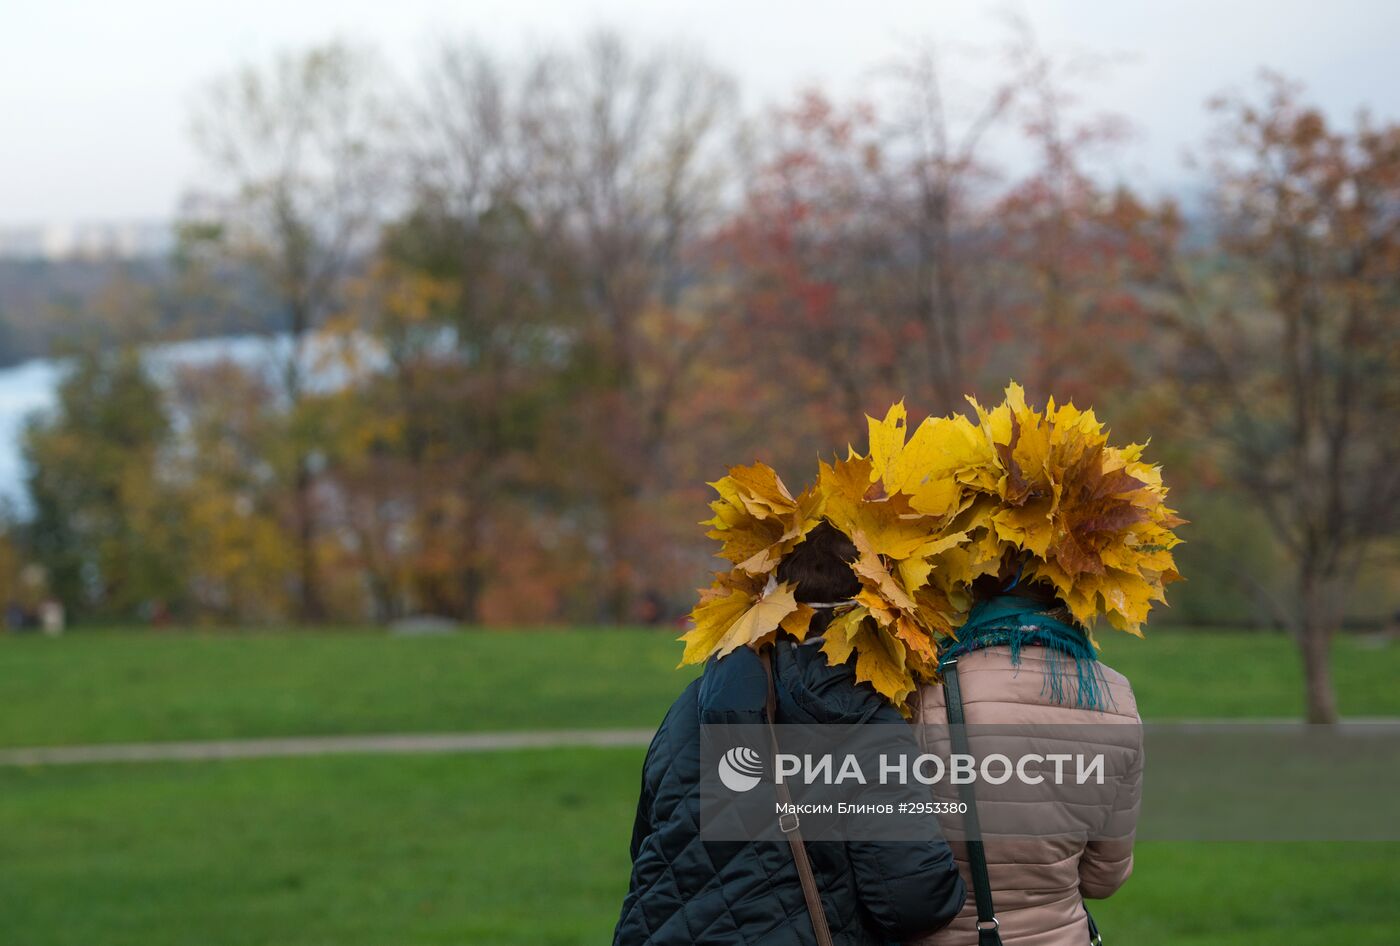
471,307
803,250
938,201
863,240
628,162
238,566
889,247
1062,256
296,147
1287,347
103,523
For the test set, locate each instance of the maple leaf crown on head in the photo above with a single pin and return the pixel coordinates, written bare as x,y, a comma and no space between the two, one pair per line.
931,513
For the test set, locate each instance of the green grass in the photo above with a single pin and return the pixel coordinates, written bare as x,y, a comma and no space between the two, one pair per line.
523,848
120,686
1200,893
1197,674
124,686
527,848
516,847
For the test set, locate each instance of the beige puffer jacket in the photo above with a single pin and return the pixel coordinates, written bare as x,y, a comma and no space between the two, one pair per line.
1039,884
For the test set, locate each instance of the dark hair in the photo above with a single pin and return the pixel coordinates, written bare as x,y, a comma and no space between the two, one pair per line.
1008,582
821,565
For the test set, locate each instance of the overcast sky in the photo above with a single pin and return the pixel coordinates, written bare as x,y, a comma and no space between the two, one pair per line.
94,96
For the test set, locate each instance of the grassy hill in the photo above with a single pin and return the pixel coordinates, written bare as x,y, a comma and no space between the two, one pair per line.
119,686
526,847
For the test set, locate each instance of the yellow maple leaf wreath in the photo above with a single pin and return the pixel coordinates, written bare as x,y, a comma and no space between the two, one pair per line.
1038,494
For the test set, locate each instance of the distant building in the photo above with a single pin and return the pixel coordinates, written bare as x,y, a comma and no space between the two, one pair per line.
91,240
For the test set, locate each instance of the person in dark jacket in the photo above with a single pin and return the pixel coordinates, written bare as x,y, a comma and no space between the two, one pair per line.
686,890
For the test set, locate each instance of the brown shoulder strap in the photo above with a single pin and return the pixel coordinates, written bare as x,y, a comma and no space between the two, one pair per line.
789,823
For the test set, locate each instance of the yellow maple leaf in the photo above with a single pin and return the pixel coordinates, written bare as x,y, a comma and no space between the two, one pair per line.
886,440
1031,527
757,520
713,617
880,662
843,484
726,623
837,641
798,622
869,567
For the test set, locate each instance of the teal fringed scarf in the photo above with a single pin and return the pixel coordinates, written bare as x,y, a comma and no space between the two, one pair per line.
1015,622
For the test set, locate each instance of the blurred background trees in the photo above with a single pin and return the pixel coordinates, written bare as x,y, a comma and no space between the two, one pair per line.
101,526
298,149
518,310
1285,348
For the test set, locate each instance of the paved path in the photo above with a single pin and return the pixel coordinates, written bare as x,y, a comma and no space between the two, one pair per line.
388,743
411,743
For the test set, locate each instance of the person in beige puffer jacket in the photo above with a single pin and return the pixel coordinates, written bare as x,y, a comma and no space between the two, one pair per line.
1039,884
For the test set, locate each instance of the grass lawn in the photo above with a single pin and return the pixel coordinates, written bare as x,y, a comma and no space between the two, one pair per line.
527,848
128,686
119,686
523,848
508,848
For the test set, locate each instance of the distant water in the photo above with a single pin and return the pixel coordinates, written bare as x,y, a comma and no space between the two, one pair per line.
24,389
31,386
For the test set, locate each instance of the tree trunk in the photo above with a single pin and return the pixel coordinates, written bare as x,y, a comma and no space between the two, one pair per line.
1315,645
312,609
471,577
617,598
618,554
1317,673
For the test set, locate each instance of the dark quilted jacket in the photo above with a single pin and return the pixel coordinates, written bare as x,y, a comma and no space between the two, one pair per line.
687,891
